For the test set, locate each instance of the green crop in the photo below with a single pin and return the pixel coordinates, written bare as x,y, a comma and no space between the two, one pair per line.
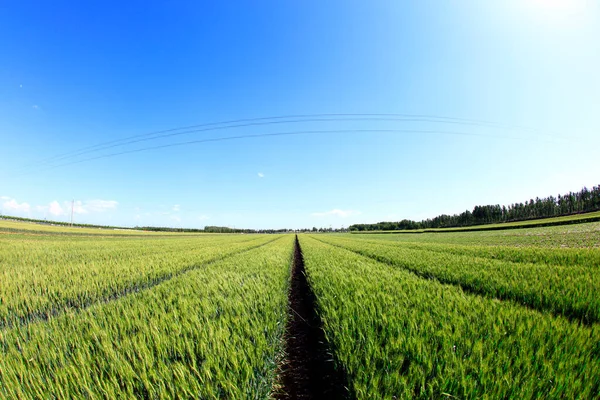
567,290
45,276
33,228
575,235
402,336
212,332
589,257
499,314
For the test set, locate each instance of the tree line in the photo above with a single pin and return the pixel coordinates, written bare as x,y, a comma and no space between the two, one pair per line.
61,223
211,229
206,229
586,200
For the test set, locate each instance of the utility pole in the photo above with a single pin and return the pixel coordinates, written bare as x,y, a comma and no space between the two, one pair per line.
72,208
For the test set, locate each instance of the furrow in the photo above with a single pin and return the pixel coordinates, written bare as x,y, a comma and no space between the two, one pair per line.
308,370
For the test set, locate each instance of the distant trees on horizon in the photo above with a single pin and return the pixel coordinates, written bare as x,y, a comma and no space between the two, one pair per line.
585,200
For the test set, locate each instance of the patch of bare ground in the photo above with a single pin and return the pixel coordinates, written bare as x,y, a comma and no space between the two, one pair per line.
308,369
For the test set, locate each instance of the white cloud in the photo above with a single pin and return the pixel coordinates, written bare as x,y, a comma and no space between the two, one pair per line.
203,217
55,209
13,206
176,218
336,212
79,207
261,175
88,206
100,205
176,207
4,198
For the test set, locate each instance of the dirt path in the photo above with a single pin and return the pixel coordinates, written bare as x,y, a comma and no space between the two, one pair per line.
308,371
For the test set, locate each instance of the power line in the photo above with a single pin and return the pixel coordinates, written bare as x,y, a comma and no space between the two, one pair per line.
259,135
236,121
268,121
123,142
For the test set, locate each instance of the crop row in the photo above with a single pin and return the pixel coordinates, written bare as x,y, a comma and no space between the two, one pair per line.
212,332
400,336
41,278
538,255
569,291
586,235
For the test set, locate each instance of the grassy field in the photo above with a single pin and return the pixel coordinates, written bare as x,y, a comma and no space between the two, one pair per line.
43,276
564,288
532,223
490,314
584,235
211,332
402,335
12,226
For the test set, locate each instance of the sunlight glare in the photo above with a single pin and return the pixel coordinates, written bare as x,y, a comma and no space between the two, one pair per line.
561,12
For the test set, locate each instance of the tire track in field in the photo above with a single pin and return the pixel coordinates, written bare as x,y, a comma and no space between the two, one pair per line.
71,305
570,313
308,370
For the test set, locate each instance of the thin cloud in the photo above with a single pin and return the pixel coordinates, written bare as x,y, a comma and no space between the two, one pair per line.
55,209
13,206
35,107
261,175
337,213
99,205
176,207
78,207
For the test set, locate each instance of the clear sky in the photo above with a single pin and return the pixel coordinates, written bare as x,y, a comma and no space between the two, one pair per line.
78,74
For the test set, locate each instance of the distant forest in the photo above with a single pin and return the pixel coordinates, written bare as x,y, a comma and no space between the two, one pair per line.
585,200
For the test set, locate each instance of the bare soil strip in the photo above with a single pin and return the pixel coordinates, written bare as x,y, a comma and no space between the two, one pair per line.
46,315
308,370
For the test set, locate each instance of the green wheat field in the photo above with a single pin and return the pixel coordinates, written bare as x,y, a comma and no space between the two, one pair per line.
104,314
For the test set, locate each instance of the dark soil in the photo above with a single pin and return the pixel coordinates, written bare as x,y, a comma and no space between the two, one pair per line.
309,370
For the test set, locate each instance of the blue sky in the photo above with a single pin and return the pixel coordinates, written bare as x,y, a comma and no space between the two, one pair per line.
76,74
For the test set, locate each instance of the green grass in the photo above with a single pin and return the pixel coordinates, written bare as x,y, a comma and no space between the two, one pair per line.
402,336
549,256
569,290
14,226
44,276
488,314
213,332
576,235
541,222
